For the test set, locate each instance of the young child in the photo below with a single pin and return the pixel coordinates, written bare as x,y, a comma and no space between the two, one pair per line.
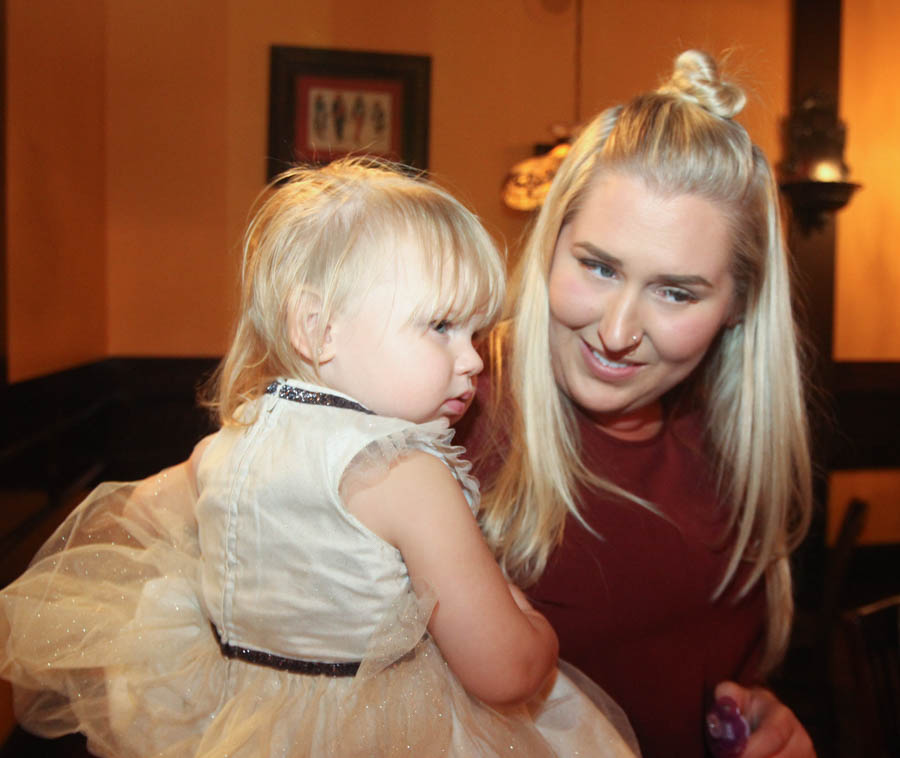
312,582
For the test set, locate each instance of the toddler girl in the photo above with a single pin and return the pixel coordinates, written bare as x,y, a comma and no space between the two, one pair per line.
312,581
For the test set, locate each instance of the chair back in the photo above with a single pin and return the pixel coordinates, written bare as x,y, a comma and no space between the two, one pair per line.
873,637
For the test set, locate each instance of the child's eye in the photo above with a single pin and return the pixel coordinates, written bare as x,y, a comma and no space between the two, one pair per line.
441,327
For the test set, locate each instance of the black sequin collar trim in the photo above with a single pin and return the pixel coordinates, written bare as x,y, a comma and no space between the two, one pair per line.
299,395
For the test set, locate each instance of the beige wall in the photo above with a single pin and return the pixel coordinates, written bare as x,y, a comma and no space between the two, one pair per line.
867,307
167,144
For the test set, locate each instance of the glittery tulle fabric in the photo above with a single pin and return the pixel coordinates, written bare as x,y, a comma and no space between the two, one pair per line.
107,634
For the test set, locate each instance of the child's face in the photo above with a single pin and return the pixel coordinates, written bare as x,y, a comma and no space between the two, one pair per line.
419,370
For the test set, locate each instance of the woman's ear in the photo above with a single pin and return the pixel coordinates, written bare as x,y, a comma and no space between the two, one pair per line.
304,328
737,313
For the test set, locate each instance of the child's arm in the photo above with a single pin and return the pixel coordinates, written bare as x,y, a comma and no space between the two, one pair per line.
172,491
499,647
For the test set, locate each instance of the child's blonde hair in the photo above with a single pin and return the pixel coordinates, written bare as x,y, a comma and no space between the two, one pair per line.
680,139
323,232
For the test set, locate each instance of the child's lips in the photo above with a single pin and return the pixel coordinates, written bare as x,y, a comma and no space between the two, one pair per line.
456,406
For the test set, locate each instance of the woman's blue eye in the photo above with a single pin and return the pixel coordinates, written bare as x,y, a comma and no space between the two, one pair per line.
678,295
440,326
598,267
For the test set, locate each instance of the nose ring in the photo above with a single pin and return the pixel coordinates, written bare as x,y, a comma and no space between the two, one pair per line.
635,338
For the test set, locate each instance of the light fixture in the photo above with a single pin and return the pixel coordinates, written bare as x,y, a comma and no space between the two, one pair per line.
814,175
528,181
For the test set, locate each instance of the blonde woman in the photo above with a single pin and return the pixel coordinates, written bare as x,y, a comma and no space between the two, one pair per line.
646,462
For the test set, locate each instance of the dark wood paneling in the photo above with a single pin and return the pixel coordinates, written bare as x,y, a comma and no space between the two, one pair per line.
118,419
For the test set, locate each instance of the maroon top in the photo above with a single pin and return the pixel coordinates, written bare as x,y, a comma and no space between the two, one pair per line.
633,610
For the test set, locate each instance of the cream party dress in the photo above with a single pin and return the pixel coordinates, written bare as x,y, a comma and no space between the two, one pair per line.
254,616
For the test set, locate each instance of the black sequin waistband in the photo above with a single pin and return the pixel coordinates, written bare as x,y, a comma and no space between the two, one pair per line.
292,665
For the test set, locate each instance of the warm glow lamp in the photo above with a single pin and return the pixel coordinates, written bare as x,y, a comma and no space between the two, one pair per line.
814,175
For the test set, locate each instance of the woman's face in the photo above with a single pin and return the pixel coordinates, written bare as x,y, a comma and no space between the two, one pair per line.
640,285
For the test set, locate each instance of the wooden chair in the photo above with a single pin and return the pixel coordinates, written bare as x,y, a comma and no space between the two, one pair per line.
806,680
872,634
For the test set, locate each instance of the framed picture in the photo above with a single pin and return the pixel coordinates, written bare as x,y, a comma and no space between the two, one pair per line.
327,103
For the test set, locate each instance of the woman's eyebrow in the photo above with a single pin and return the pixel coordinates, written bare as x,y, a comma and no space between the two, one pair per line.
677,280
686,280
598,253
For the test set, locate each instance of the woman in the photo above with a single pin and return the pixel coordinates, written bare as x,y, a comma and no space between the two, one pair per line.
651,474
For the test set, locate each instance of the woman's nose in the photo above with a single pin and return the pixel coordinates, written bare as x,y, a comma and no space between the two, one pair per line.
619,327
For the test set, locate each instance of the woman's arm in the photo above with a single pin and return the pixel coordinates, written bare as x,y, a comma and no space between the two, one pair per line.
501,651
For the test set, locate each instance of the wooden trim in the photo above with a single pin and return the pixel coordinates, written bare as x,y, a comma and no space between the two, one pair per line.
867,376
133,415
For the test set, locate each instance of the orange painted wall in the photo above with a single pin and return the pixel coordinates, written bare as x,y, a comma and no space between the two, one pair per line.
55,214
183,134
169,275
502,73
867,309
488,61
632,45
879,488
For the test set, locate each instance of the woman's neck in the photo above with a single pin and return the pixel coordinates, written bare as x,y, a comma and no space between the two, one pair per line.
633,426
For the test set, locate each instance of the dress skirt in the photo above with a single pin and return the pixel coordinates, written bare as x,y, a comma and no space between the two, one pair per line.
106,634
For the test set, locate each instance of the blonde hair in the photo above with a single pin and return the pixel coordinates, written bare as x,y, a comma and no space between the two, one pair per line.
320,231
679,139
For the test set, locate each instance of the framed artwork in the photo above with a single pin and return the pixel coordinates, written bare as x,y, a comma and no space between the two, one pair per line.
324,104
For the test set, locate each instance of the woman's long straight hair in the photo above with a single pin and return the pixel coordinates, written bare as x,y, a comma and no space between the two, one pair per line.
679,139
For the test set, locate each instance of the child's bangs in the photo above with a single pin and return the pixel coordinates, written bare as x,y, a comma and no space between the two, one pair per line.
466,279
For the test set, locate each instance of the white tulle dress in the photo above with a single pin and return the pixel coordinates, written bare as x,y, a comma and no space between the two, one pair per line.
255,617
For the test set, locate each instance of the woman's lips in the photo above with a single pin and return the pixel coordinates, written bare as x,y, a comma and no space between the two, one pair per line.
606,368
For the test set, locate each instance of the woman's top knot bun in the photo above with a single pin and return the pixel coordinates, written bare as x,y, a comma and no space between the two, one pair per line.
696,78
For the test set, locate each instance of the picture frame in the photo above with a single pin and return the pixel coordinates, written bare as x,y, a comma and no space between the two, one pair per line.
325,103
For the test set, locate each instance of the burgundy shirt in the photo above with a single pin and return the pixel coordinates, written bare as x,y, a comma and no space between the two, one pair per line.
634,610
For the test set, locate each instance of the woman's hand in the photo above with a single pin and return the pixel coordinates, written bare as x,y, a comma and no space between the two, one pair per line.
775,730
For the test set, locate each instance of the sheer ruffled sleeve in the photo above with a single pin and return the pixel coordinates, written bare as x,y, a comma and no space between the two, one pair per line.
374,461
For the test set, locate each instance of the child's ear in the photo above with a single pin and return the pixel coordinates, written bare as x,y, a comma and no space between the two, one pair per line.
304,330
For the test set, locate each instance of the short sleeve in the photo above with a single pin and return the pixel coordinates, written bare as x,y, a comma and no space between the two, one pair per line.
373,461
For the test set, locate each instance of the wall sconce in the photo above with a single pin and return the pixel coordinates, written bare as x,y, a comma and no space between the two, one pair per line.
814,175
528,181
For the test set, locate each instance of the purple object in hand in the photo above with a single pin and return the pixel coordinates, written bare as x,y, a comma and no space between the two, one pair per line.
726,729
